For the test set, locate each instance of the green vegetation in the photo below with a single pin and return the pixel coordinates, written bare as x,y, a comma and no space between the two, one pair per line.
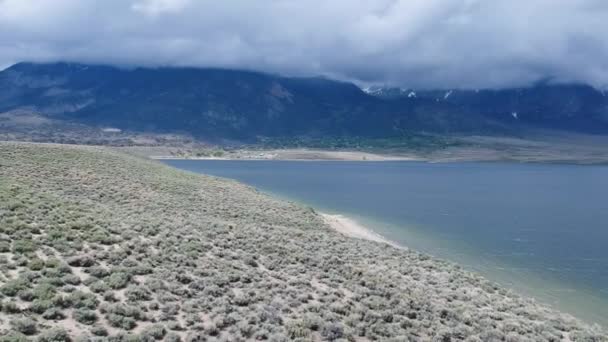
25,326
97,244
404,143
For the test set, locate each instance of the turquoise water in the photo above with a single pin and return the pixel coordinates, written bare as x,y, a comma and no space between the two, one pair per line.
540,229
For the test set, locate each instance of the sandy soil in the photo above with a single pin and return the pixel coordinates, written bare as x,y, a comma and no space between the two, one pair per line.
352,228
296,154
307,154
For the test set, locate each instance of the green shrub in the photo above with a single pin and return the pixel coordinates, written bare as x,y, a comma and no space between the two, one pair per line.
137,293
313,322
63,301
98,330
10,307
14,336
52,263
122,316
212,330
53,314
98,272
296,329
5,246
122,337
44,291
81,261
40,306
247,330
64,268
241,300
126,310
141,270
122,322
196,336
21,261
85,316
102,238
333,331
71,279
99,287
30,276
129,263
52,272
118,280
25,326
55,281
251,262
174,325
26,295
81,299
36,264
278,337
12,287
172,337
109,297
54,335
155,331
68,288
89,280
23,246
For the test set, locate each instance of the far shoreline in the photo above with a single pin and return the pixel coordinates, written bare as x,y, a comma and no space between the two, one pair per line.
304,155
298,155
418,160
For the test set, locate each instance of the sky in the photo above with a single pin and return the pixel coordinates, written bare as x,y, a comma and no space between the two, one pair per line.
407,43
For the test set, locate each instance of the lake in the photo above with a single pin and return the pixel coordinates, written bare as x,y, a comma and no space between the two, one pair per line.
541,229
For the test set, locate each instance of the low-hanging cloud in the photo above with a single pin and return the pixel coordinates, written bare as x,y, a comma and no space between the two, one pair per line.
410,43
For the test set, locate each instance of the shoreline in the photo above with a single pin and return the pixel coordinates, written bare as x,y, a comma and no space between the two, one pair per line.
298,155
353,229
382,158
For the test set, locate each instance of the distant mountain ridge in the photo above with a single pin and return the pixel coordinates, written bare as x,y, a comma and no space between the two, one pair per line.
247,105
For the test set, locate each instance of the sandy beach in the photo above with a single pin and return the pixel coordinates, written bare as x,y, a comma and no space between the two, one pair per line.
281,154
354,229
314,154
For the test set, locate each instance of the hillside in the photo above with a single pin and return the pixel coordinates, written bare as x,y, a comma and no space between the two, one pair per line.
216,104
96,243
568,107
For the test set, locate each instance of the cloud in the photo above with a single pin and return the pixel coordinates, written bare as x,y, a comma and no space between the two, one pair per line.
158,7
410,43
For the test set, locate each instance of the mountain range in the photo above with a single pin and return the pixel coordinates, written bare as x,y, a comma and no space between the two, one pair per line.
247,105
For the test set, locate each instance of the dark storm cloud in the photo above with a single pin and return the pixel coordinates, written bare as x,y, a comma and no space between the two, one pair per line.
415,43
